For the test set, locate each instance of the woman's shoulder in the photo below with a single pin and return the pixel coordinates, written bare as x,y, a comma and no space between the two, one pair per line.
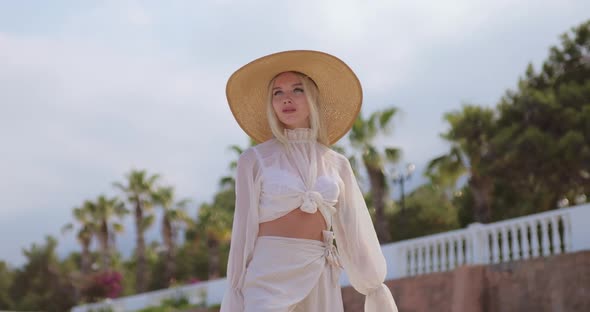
248,157
257,152
335,157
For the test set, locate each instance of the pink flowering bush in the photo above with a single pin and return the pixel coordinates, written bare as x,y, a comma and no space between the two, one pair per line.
105,284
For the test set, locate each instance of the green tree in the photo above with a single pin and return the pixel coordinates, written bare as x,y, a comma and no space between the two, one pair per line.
41,284
362,137
545,128
6,276
139,188
428,211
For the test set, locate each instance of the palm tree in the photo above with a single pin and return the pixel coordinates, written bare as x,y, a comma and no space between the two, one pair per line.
86,232
107,212
444,171
174,216
471,152
214,226
139,189
362,136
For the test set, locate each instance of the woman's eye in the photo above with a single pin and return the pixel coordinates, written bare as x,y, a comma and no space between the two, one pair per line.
297,90
278,92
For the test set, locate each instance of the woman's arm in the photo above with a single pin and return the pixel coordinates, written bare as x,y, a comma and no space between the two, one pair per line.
358,245
244,230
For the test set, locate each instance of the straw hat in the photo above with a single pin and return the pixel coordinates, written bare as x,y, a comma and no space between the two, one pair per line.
340,93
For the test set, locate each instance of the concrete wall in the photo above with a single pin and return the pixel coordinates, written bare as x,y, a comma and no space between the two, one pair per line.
558,284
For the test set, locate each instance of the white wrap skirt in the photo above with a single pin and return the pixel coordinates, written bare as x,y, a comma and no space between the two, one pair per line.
293,274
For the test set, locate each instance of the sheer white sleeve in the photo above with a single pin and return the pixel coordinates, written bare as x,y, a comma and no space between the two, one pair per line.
244,229
358,245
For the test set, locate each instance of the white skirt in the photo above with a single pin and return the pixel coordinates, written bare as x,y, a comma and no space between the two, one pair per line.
292,275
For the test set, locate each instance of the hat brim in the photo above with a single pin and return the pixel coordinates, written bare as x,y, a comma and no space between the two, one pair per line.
340,92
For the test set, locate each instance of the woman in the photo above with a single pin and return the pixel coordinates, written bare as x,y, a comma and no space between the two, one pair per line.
294,195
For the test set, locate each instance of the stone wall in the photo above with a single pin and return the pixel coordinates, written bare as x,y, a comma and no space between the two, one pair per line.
556,284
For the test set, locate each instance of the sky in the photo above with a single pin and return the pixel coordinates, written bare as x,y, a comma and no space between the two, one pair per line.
91,90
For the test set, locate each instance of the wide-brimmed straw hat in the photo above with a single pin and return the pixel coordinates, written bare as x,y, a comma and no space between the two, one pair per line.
340,92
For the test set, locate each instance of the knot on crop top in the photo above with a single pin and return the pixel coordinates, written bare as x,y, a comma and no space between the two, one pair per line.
312,200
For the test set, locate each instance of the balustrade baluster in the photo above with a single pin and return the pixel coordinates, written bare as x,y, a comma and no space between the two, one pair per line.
495,244
556,242
460,251
505,248
469,254
524,240
420,260
435,260
443,257
429,258
545,237
412,261
567,231
515,245
451,254
535,246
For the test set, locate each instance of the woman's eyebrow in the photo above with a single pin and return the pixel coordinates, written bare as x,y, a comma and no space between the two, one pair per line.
293,85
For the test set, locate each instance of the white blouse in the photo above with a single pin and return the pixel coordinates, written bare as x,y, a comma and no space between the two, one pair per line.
273,179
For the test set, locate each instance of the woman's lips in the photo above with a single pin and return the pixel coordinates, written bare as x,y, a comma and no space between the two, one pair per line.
289,110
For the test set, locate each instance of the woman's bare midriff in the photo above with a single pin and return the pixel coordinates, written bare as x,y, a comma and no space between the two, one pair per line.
295,224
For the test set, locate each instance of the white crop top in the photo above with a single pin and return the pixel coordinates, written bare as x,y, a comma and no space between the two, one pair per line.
299,178
273,179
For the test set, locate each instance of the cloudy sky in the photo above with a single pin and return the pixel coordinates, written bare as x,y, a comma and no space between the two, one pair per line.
90,90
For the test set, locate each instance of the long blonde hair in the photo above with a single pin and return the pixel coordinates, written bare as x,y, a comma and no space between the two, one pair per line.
312,93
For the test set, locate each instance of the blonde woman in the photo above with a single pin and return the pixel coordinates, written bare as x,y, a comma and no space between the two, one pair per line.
294,195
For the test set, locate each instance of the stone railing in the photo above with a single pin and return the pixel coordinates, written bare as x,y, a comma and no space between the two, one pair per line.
539,235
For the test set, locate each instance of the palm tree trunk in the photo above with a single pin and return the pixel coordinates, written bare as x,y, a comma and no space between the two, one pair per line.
169,237
481,188
104,245
213,246
377,180
85,266
171,263
140,280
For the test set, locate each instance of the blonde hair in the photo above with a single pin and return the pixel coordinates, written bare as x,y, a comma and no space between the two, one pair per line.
312,94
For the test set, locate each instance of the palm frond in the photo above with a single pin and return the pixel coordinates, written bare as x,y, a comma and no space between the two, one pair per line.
392,155
386,117
147,222
236,148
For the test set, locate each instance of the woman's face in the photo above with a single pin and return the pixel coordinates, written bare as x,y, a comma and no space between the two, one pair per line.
289,101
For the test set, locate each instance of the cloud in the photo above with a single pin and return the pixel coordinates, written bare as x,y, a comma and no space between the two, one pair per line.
77,117
78,112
